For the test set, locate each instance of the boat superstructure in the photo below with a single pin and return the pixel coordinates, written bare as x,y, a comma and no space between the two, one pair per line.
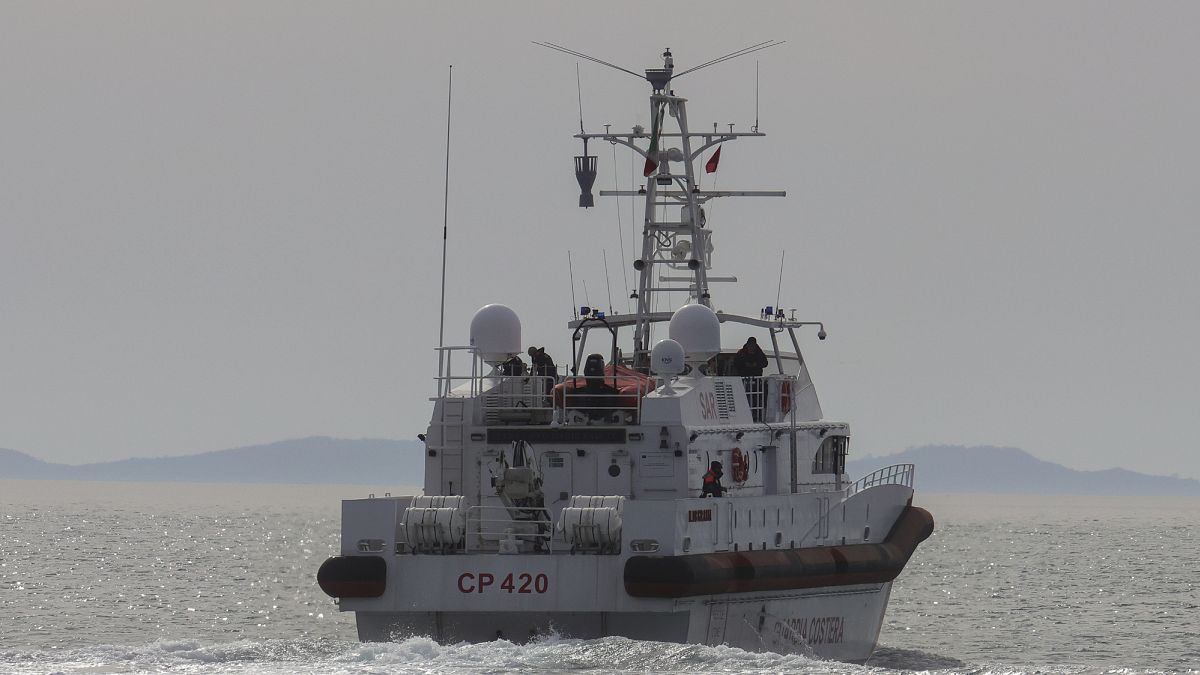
572,503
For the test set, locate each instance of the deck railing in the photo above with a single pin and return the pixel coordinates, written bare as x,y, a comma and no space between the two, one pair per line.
490,526
520,399
532,399
602,399
896,474
770,397
527,398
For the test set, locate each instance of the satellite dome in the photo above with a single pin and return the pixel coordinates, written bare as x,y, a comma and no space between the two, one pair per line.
496,333
698,330
666,359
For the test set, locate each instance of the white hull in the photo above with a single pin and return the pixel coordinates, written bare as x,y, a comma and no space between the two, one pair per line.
840,623
824,598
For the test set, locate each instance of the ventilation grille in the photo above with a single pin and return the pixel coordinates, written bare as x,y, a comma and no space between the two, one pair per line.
725,400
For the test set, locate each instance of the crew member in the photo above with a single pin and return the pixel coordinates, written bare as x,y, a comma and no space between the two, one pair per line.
749,363
513,366
750,359
598,398
712,481
541,364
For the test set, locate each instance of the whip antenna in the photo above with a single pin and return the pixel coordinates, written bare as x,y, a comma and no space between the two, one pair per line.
445,218
607,281
571,271
733,55
572,52
779,288
755,97
579,91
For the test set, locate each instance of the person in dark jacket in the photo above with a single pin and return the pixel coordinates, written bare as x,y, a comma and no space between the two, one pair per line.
541,364
542,367
750,359
597,398
712,481
513,366
749,363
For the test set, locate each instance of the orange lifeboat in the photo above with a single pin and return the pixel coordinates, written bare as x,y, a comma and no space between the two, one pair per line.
629,385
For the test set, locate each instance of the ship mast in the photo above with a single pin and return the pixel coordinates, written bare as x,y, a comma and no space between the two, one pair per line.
658,232
676,247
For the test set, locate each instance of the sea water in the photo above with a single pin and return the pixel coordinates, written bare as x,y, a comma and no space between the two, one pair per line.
199,578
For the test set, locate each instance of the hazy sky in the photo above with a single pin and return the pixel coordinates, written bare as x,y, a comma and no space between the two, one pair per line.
220,223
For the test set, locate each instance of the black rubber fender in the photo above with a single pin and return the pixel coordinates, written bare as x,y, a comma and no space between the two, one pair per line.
357,576
779,570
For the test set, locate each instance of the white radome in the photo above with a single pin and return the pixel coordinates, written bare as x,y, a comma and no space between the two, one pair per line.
698,330
496,333
666,359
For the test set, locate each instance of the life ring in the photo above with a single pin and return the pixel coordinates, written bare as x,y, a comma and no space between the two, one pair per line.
741,466
785,397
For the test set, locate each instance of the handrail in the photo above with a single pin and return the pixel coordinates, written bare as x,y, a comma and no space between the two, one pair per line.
446,378
506,526
771,398
517,399
896,474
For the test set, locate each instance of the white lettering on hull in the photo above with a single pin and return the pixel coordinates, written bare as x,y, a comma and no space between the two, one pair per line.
814,631
716,623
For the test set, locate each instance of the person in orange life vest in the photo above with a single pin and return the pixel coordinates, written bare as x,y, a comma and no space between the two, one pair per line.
712,481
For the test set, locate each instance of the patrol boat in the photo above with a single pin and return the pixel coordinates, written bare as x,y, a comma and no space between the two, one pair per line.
573,504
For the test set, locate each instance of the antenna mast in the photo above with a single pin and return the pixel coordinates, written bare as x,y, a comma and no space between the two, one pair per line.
571,272
675,251
755,96
779,288
445,220
607,281
579,93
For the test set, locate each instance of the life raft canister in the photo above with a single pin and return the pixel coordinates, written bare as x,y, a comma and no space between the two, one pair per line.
741,466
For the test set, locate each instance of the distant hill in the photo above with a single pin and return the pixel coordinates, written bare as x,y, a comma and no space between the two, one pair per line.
368,461
316,459
950,468
15,464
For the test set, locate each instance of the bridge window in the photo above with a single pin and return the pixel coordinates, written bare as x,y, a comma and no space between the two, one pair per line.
831,456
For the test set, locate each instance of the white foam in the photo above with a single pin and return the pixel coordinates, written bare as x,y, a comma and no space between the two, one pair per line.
422,655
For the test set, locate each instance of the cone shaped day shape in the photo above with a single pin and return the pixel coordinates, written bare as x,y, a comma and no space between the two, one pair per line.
652,153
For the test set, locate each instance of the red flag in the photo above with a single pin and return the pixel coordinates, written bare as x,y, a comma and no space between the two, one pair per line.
711,166
649,168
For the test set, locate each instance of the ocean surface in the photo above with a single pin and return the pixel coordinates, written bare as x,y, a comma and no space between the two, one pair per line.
190,578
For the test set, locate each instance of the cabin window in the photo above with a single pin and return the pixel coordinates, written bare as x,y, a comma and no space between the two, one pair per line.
831,456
